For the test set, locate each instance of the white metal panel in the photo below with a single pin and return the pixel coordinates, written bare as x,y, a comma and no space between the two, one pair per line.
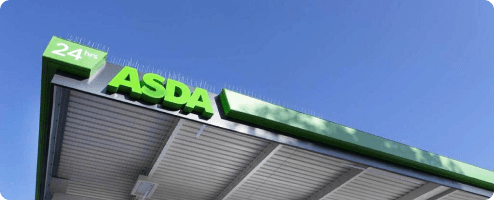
461,195
291,173
376,184
108,144
424,190
201,167
433,193
338,183
241,178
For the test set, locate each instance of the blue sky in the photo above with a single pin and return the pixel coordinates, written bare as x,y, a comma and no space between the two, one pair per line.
417,72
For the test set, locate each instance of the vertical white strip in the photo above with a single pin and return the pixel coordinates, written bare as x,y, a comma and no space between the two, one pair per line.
419,192
166,147
267,153
200,130
338,183
443,194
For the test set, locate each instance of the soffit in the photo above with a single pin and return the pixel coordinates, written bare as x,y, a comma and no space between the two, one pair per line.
108,144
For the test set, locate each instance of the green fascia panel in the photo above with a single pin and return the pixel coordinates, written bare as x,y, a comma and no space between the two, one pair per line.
84,67
255,111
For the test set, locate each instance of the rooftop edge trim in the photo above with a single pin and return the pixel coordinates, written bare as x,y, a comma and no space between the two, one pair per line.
251,110
69,57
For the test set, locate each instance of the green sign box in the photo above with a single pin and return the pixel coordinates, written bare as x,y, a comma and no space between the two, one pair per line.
73,57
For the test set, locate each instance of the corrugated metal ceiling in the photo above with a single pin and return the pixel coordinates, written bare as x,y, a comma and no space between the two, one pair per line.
108,144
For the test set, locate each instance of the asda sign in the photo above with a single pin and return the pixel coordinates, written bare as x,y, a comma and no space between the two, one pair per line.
152,89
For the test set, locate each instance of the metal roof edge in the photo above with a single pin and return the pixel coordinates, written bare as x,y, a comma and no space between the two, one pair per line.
248,109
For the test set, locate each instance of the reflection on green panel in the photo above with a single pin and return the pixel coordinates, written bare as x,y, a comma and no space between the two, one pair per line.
251,110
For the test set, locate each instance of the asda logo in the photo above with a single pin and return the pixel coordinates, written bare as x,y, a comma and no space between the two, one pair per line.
174,95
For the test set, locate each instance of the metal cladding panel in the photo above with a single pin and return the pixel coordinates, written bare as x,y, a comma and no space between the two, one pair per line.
97,84
201,166
108,144
461,195
376,184
435,192
291,173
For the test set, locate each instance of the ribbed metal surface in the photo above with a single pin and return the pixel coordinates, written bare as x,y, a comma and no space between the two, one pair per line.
438,191
460,195
291,174
200,168
376,184
107,144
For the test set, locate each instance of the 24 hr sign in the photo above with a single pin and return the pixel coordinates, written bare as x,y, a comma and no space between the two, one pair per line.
152,89
79,59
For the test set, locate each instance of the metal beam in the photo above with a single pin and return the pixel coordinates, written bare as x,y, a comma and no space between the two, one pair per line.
419,192
338,183
62,196
443,194
168,143
59,185
268,151
200,130
57,128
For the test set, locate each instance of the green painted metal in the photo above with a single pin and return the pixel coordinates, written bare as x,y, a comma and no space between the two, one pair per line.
74,58
176,95
199,102
51,63
255,111
153,89
127,80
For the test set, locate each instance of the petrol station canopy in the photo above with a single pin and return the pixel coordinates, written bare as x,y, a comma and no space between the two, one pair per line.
111,132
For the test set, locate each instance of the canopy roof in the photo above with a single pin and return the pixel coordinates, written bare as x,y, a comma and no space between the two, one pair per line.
95,144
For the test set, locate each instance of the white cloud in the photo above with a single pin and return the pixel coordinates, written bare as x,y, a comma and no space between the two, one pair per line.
492,2
1,198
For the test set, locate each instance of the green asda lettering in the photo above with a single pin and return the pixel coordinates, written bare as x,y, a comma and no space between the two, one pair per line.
151,88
